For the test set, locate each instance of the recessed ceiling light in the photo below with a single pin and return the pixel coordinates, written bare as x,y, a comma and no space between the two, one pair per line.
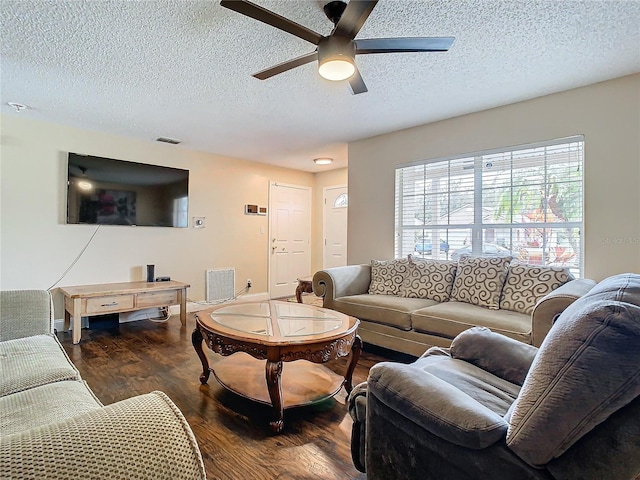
18,106
323,161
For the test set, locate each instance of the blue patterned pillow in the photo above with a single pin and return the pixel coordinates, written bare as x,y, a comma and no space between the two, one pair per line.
479,280
431,279
387,276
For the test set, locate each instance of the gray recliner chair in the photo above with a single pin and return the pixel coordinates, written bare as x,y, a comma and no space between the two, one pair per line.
490,407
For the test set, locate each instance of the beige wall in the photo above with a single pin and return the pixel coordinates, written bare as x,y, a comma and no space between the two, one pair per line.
323,180
607,114
36,246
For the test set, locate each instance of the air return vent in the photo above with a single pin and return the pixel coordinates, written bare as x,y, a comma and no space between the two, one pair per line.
172,141
220,284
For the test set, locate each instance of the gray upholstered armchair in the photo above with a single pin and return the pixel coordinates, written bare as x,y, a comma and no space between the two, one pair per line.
491,407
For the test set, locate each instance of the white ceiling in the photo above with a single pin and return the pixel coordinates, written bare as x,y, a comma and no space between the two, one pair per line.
182,69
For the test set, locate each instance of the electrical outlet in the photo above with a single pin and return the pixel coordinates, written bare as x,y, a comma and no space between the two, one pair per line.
248,283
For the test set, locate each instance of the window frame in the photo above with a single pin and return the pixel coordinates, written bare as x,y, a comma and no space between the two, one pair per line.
575,146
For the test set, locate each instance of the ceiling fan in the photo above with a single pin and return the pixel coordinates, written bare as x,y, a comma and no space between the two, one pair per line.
336,52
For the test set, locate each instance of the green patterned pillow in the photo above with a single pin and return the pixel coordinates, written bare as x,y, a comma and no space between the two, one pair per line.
479,280
431,279
526,284
387,276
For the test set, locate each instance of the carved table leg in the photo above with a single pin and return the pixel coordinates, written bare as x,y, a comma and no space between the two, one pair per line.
356,349
196,340
274,374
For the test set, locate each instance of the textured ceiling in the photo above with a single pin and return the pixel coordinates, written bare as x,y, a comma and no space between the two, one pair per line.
182,69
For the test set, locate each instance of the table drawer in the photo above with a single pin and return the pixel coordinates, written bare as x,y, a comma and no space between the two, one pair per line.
114,303
157,299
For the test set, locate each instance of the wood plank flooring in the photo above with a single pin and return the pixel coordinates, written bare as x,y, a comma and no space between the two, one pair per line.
232,432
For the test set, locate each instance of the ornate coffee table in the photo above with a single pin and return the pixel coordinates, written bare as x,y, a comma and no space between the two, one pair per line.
304,335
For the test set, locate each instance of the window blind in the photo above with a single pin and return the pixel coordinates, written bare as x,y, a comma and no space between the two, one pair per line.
526,202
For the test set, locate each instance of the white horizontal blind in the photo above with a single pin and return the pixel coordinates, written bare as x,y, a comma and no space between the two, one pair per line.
525,202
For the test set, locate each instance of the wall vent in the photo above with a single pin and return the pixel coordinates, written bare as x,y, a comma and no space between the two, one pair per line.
172,141
220,283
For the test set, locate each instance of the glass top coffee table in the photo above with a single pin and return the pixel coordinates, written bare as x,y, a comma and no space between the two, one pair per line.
302,336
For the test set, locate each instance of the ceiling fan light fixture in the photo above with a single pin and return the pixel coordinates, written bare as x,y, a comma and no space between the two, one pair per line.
323,161
336,58
337,69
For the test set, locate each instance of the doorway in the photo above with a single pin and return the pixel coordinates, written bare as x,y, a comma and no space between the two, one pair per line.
290,234
334,219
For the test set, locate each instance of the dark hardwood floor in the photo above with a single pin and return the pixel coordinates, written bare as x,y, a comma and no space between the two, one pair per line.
232,432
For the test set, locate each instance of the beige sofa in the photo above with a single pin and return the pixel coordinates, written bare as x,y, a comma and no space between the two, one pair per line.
51,424
409,305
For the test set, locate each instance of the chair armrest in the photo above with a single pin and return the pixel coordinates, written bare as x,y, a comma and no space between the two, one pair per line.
497,354
553,304
24,313
143,437
339,282
435,405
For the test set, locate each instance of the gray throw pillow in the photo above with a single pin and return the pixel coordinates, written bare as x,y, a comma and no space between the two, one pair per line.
431,279
526,284
387,276
479,280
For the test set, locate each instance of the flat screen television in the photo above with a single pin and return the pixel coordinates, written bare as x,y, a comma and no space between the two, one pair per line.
105,191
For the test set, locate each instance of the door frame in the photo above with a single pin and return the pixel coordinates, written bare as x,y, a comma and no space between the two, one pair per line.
273,183
324,218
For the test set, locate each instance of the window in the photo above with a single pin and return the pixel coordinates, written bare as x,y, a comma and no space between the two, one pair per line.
524,202
341,201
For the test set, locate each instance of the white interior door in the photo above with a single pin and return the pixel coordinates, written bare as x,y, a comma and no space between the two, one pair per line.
335,226
290,234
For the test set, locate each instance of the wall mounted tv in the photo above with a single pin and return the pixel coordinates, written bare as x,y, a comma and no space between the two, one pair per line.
104,191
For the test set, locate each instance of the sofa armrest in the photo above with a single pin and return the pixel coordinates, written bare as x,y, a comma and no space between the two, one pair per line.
339,282
553,304
497,354
143,437
24,313
435,405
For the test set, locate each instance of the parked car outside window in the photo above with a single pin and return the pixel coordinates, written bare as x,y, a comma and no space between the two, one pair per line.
488,250
423,246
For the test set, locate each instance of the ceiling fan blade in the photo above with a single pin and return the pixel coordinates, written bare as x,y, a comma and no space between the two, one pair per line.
406,44
353,18
357,83
288,65
270,18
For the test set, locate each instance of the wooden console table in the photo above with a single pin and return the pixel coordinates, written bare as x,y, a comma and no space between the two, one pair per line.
86,300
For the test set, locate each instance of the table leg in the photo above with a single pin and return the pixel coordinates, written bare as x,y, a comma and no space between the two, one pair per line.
76,320
196,340
182,298
274,374
356,349
299,290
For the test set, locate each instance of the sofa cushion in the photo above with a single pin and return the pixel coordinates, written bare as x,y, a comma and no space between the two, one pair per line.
429,279
45,404
452,318
385,309
387,276
479,280
526,284
33,361
587,368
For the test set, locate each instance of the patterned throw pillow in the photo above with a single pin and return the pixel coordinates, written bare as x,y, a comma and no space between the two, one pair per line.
431,279
387,276
479,280
526,284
